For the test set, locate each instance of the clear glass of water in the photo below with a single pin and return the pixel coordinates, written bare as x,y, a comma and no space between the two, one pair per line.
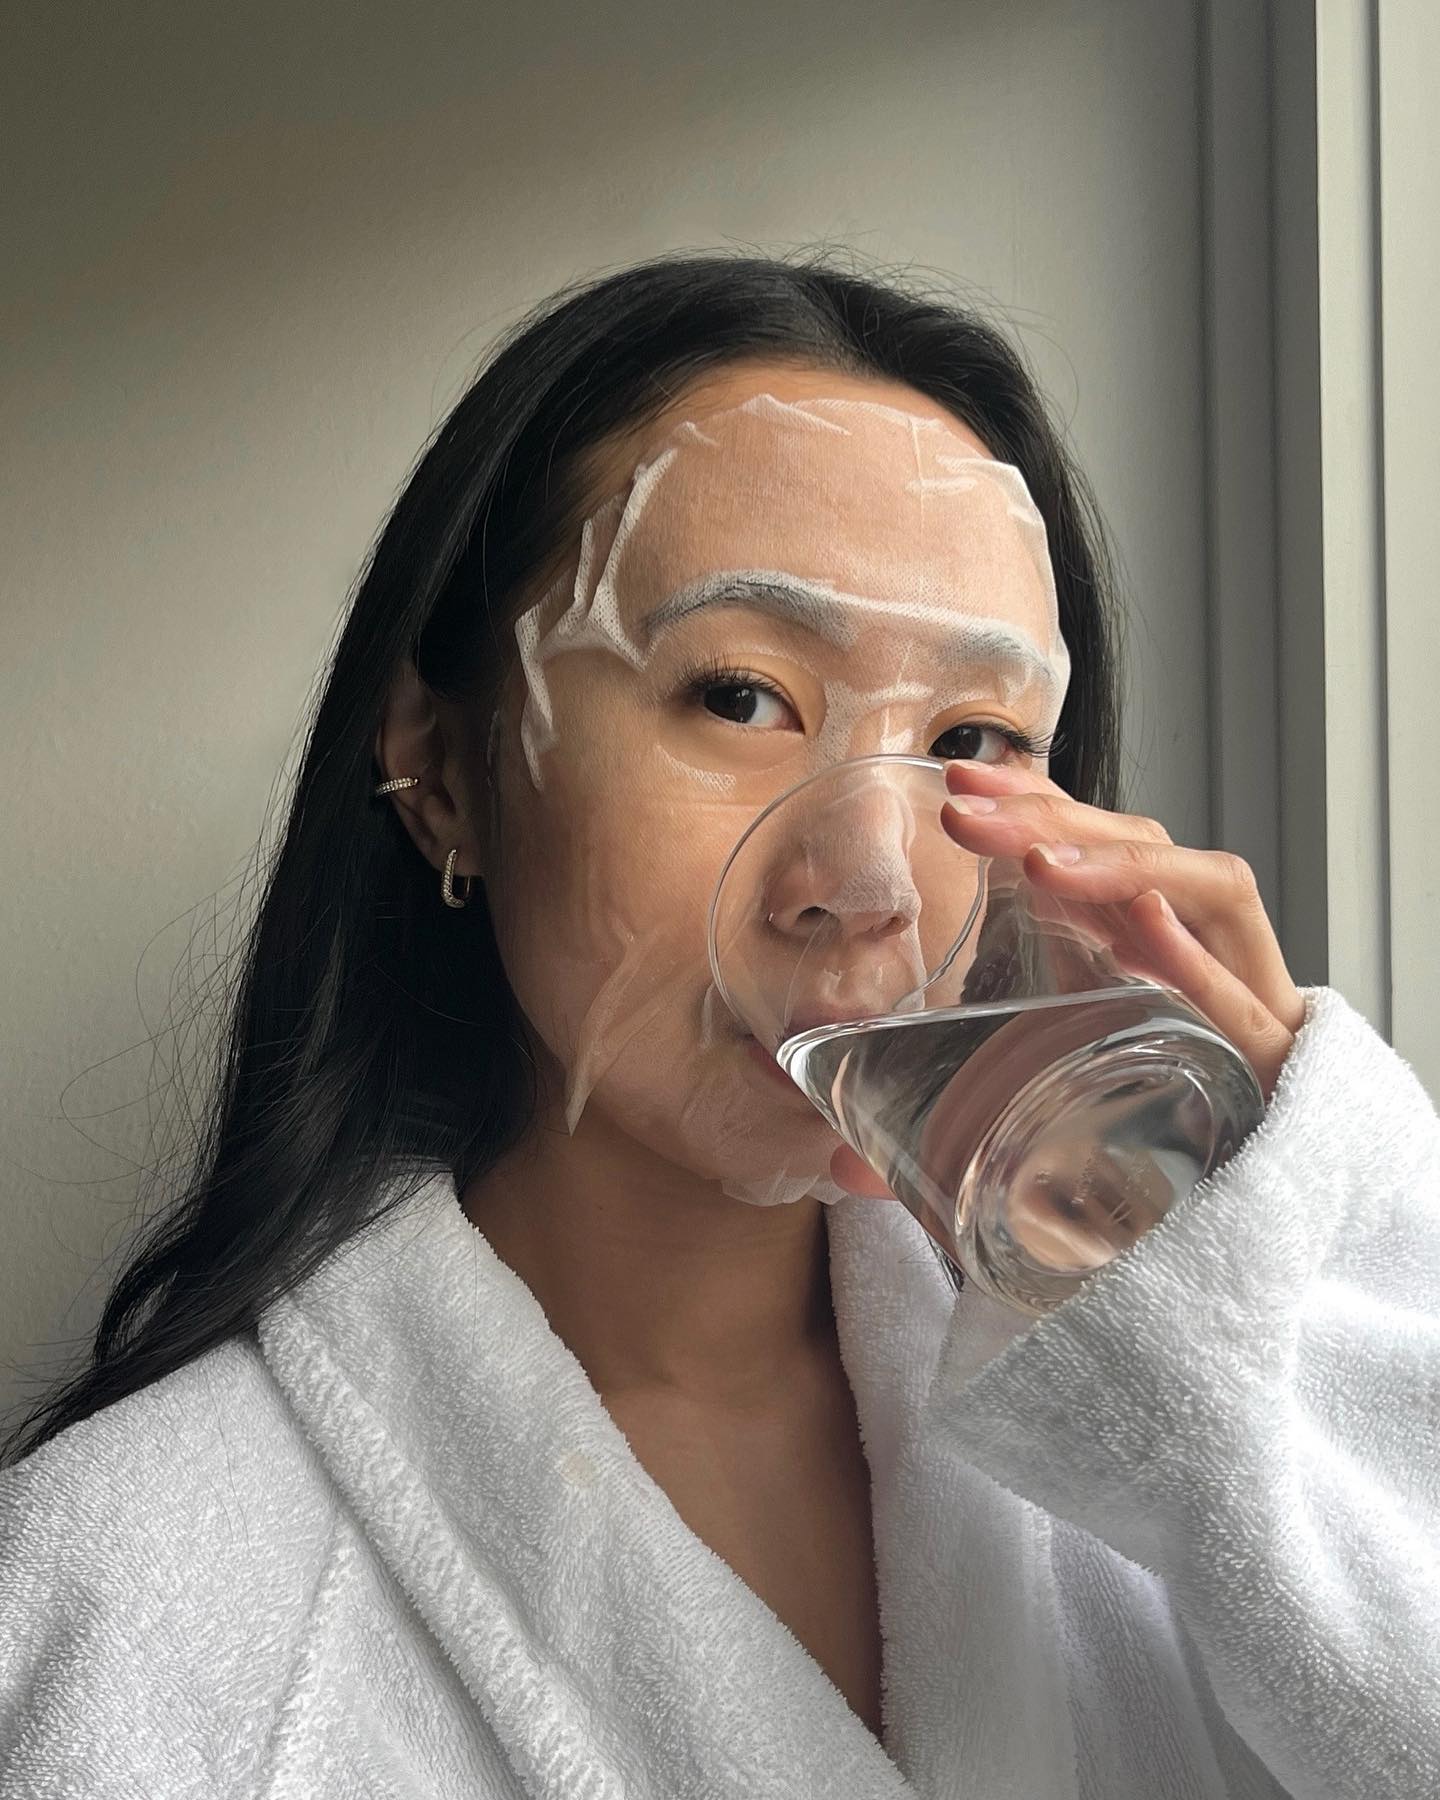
969,1034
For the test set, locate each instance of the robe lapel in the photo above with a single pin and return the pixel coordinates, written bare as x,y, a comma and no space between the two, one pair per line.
975,1702
611,1652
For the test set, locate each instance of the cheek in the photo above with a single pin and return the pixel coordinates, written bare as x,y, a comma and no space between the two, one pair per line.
599,883
600,896
600,901
600,912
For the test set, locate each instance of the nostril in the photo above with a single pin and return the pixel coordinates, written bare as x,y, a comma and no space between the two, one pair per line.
804,918
880,925
810,920
874,900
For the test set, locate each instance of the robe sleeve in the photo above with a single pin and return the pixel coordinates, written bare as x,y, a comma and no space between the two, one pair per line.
1246,1402
88,1704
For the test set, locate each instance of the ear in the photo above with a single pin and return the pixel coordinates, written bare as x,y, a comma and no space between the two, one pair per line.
422,735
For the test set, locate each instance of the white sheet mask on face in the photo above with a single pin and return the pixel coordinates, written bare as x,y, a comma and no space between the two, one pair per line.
876,572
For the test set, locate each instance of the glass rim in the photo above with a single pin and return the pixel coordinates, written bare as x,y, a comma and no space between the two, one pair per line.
850,762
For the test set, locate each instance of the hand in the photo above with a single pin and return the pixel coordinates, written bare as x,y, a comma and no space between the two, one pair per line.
1193,919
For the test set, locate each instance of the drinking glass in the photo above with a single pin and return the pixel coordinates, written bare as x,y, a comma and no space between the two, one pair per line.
968,1033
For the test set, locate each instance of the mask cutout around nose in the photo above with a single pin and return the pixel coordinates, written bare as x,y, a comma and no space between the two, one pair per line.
842,900
846,873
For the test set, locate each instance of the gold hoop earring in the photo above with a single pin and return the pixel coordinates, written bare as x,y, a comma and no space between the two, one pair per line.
447,880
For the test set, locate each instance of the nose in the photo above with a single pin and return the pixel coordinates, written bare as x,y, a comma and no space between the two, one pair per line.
847,872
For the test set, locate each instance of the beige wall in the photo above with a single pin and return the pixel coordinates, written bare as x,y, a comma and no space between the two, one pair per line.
252,254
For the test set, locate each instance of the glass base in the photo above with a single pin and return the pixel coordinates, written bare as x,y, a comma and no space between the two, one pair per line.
1095,1150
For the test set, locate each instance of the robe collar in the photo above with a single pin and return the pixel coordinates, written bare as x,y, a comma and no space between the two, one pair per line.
610,1650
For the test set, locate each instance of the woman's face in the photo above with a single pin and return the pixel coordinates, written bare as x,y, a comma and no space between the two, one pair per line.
788,569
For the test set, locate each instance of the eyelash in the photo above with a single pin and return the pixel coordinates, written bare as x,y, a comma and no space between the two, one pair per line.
697,680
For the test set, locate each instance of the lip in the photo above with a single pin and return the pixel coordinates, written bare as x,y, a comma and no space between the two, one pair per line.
757,1052
816,1017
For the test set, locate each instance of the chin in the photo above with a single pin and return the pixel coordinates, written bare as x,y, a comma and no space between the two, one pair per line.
720,1116
739,1131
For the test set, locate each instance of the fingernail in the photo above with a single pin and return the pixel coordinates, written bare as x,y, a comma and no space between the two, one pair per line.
975,803
1005,773
1059,853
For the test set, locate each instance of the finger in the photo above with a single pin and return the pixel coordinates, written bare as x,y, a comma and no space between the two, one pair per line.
1182,962
855,1175
1013,782
1019,820
1213,894
996,778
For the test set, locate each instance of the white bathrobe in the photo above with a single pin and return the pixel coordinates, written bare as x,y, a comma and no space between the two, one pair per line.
1178,1540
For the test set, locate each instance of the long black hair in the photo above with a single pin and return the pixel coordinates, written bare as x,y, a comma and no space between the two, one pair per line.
371,1038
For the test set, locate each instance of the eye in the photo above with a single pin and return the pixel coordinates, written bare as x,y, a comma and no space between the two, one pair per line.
958,744
740,698
746,703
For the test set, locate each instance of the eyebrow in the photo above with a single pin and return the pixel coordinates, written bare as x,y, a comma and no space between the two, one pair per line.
968,642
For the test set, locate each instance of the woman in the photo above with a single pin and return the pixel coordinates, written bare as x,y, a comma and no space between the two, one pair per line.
485,1420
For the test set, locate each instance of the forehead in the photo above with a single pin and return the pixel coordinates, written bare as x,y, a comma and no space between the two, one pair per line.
881,510
894,555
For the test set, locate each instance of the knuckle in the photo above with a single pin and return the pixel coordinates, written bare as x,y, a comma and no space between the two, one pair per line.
1259,1020
1238,875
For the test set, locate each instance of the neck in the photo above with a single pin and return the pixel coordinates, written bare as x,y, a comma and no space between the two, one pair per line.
654,1277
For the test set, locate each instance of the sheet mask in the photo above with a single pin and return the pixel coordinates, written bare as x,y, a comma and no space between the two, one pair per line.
877,573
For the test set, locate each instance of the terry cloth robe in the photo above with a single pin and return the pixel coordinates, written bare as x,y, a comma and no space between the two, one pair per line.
1177,1540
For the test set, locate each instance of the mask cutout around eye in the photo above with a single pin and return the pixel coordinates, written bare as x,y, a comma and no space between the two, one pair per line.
948,745
739,697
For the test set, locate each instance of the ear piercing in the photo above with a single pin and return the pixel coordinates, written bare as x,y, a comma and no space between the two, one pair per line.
447,890
447,879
